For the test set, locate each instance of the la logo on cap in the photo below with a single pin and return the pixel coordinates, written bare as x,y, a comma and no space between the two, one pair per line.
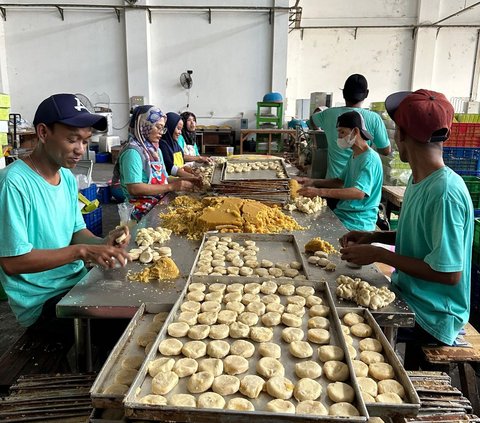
79,107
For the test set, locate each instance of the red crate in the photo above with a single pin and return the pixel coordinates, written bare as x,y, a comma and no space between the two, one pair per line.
464,135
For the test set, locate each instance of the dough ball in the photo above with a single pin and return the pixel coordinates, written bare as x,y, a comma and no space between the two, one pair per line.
271,298
263,273
188,317
227,317
329,353
250,298
270,367
308,369
215,296
389,398
319,310
251,386
345,329
343,409
149,347
207,318
245,271
266,264
260,334
295,309
252,288
313,300
197,287
182,400
391,385
211,306
218,331
318,322
291,320
367,397
195,296
370,357
315,408
217,287
360,368
269,349
348,339
352,318
368,385
235,306
145,338
268,287
170,347
191,306
240,404
281,406
155,327
132,362
318,336
210,400
249,318
256,307
164,382
340,392
185,367
352,352
232,297
336,371
239,330
275,272
235,287
280,387
211,365
242,348
370,344
235,365
233,270
195,349
296,265
381,371
200,382
218,349
300,349
282,265
116,389
292,334
153,400
198,332
162,364
286,289
362,330
290,273
296,299
271,319
307,389
226,385
275,307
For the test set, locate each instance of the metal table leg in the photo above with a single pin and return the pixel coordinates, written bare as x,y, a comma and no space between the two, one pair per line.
391,335
83,345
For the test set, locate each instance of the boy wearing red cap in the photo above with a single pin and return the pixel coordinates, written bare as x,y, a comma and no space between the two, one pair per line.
433,241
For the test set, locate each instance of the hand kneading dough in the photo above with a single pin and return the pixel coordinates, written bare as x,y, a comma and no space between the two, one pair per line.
218,349
368,385
315,408
182,400
269,349
153,399
162,364
218,331
225,385
308,369
280,387
340,392
370,357
281,406
307,389
170,347
343,409
199,332
318,322
240,404
251,386
360,368
211,365
389,398
178,329
336,371
319,310
210,400
330,352
300,349
351,319
362,330
185,367
260,334
200,382
164,382
132,362
195,349
391,385
370,344
270,367
318,336
239,330
243,348
235,365
292,334
381,371
116,389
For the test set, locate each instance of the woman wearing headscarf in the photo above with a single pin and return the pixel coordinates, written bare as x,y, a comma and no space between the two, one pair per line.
188,139
140,175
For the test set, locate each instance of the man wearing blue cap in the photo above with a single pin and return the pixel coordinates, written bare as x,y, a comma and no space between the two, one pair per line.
44,238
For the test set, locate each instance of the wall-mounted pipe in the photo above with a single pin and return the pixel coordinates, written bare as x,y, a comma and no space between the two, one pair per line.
476,71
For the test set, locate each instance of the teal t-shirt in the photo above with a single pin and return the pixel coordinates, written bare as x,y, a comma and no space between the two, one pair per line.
337,158
365,173
436,226
37,215
191,150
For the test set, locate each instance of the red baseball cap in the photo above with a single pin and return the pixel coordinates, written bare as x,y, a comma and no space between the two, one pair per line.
424,115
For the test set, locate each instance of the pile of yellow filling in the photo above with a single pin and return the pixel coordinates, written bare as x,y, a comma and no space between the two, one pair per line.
163,269
192,217
318,244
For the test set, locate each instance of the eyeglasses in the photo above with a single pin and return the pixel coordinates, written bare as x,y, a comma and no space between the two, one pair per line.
161,129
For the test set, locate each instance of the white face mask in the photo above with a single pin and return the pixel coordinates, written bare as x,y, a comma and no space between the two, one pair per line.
346,142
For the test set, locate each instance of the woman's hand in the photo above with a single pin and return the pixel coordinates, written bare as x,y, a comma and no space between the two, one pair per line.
118,237
182,185
106,256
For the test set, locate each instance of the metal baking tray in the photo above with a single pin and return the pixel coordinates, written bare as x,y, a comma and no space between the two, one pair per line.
409,408
273,247
254,175
126,346
110,415
142,384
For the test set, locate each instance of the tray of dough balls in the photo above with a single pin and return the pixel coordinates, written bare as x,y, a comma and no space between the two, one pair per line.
242,351
121,367
258,170
245,255
385,386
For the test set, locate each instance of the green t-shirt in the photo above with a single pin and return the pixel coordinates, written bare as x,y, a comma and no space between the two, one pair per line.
131,170
365,173
191,150
436,226
37,215
337,158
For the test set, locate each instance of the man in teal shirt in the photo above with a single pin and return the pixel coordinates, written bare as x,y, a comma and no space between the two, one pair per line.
359,186
433,241
355,91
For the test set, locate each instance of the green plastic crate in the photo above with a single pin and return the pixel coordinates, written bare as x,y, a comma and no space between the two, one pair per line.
473,185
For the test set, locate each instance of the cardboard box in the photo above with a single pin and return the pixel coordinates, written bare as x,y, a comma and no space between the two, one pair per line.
4,100
4,112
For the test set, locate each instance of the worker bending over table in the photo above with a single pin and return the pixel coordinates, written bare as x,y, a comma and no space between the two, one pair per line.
433,242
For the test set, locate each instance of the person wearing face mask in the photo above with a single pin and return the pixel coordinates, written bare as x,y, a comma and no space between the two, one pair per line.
359,187
188,140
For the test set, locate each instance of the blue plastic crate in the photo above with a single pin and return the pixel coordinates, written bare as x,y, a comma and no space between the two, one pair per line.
104,194
93,220
90,193
464,161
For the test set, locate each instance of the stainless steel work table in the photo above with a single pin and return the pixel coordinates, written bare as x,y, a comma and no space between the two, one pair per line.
109,294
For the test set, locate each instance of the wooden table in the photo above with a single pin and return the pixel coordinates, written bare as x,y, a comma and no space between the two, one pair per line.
244,133
394,198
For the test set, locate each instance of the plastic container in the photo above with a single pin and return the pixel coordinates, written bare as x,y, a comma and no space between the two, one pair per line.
464,135
464,161
90,193
104,193
94,147
103,157
473,186
93,220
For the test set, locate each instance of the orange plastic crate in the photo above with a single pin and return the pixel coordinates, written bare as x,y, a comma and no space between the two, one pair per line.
464,135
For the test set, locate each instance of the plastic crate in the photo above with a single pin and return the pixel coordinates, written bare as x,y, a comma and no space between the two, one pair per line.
464,161
90,193
93,220
103,157
104,194
476,243
464,135
473,186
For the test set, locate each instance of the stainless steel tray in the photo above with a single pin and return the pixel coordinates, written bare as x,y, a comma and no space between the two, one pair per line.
273,247
126,346
142,384
99,415
409,408
254,175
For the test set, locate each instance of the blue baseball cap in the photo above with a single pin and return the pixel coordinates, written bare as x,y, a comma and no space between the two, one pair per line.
69,110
